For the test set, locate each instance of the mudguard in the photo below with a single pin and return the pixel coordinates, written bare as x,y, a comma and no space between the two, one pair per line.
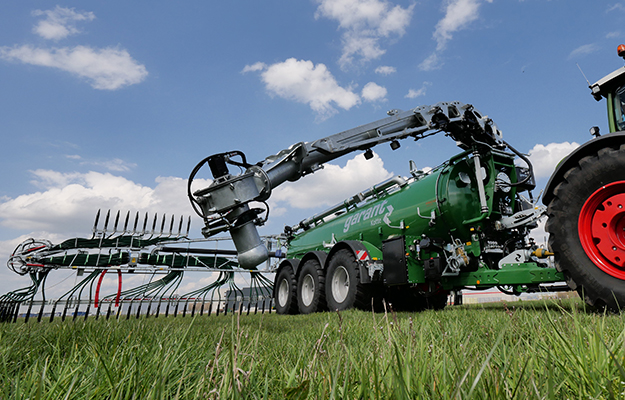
320,256
363,251
290,262
590,147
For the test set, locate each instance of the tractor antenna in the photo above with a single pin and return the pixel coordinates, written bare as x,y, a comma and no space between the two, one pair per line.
584,75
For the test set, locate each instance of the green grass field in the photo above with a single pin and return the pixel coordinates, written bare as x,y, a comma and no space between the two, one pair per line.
542,350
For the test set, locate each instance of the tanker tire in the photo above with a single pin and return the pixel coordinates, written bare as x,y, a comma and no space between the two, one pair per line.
343,288
311,295
575,203
284,292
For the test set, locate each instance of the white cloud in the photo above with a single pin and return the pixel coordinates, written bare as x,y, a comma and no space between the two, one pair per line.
385,70
259,66
332,184
357,44
365,23
373,92
459,14
116,164
615,7
59,22
67,202
613,35
431,63
413,94
107,69
544,158
583,50
304,82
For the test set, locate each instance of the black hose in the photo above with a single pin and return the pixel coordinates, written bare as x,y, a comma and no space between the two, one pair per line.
527,161
194,203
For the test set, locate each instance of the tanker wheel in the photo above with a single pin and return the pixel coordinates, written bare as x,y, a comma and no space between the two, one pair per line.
343,288
311,296
284,292
587,228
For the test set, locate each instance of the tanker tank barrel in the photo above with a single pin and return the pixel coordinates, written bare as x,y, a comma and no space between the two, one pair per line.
396,181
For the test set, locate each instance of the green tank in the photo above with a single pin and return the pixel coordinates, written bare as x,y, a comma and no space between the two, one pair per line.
412,241
443,203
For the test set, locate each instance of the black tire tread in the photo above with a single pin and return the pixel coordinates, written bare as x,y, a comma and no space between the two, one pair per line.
291,307
600,290
362,295
319,304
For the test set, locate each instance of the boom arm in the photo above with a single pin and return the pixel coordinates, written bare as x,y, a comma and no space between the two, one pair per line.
224,204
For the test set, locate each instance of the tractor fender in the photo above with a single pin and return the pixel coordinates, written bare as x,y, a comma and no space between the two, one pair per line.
614,139
320,256
363,252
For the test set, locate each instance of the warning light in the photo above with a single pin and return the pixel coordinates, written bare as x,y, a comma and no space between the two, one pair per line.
478,282
621,50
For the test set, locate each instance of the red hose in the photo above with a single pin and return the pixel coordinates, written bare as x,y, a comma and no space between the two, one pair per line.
119,287
97,288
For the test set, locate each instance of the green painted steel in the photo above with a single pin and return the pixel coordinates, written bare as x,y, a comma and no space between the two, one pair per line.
508,275
611,113
443,204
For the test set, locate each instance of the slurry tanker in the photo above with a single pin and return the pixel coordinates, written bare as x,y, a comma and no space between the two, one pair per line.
407,243
412,241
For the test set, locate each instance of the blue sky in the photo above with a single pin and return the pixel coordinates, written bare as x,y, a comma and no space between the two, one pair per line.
111,104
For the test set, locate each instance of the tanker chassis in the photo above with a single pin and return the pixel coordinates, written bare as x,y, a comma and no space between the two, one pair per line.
410,242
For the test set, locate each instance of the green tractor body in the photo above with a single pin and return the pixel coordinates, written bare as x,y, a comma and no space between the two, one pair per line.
612,88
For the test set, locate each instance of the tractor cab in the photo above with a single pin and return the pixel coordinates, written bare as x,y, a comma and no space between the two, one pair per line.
612,88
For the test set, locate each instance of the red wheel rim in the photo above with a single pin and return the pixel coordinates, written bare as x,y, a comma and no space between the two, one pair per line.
601,228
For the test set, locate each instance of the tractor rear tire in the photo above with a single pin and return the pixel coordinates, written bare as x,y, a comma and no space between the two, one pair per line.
587,228
284,291
311,295
343,287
